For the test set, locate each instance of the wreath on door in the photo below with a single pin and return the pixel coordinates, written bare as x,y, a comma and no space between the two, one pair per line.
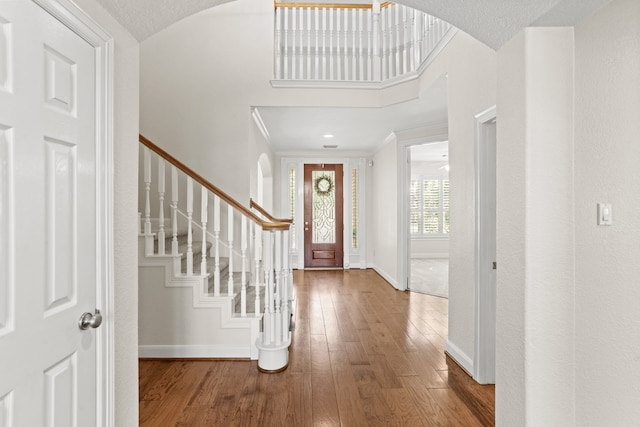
323,185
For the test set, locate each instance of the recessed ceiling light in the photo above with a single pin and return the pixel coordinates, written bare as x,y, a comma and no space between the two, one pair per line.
328,135
330,146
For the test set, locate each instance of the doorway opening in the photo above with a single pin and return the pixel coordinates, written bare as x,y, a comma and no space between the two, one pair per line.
429,218
485,251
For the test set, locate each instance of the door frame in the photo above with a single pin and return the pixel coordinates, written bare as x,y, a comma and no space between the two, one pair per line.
485,292
404,181
69,14
352,258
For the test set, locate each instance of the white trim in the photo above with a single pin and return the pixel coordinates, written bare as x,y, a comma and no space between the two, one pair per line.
404,178
257,119
485,294
347,163
386,277
193,351
80,23
459,356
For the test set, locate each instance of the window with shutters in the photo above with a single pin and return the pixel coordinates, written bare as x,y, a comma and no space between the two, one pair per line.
429,207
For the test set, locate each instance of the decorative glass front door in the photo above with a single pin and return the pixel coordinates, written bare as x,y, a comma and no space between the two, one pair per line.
323,227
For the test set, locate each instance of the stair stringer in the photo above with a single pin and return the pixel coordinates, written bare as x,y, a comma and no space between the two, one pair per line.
200,299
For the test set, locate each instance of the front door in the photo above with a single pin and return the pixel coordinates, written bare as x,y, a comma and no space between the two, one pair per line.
323,228
50,264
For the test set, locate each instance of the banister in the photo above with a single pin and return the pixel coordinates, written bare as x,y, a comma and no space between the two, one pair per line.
329,5
254,205
266,225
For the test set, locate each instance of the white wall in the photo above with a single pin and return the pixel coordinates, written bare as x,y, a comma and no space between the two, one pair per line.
471,90
607,152
384,213
535,289
125,154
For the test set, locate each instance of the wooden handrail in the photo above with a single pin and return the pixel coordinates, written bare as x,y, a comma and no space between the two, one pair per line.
254,205
330,5
266,225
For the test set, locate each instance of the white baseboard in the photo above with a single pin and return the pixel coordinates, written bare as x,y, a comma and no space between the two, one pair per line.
193,351
385,276
460,357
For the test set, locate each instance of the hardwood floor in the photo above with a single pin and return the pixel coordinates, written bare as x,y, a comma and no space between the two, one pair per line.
363,354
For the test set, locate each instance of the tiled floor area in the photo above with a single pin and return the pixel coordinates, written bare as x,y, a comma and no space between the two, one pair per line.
430,276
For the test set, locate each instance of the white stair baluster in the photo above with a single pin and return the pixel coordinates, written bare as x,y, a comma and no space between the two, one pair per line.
285,283
268,290
189,227
148,241
331,54
285,45
316,74
257,257
204,199
278,44
161,237
174,219
216,245
294,33
308,74
243,277
230,238
324,43
360,39
278,289
338,47
355,32
301,43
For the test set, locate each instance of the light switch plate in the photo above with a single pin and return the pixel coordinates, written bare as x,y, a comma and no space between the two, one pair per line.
605,214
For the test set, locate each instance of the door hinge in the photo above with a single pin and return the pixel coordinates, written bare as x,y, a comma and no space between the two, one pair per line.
494,265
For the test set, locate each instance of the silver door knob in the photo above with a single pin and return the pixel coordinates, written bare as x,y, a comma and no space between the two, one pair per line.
90,320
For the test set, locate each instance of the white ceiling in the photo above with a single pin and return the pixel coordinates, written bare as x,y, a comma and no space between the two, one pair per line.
361,130
436,152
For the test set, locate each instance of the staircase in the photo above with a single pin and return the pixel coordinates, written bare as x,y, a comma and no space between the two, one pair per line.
214,276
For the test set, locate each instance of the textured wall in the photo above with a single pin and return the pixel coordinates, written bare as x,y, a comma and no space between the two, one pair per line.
607,268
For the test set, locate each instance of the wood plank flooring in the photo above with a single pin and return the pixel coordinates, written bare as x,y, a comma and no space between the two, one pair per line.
363,354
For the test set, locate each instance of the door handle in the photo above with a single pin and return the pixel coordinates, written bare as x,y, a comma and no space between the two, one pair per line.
90,320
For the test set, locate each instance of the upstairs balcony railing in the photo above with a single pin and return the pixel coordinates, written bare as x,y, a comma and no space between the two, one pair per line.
352,42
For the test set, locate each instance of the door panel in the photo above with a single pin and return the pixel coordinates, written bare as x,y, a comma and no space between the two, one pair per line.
323,226
48,220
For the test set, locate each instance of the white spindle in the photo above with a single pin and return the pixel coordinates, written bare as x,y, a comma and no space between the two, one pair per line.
147,190
189,227
278,288
174,219
302,31
338,48
285,22
285,283
161,248
398,40
257,256
204,199
216,238
230,239
243,278
278,44
267,251
317,49
360,45
374,58
331,55
324,43
356,34
294,33
308,44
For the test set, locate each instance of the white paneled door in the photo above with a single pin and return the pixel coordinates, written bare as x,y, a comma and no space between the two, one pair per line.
49,221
